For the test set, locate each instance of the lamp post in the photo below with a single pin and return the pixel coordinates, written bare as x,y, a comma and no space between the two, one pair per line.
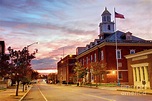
32,44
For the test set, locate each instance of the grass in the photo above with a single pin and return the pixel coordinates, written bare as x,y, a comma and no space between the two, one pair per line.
102,85
2,89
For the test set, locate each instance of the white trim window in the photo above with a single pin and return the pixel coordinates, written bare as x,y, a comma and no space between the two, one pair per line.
86,60
120,76
102,55
118,54
91,58
95,57
132,51
83,61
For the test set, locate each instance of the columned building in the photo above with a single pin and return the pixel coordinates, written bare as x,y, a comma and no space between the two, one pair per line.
110,52
65,69
140,69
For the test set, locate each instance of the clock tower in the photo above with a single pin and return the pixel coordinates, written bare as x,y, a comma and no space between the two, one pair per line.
106,26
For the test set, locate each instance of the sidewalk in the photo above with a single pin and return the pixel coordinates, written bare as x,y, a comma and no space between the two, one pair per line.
9,94
131,90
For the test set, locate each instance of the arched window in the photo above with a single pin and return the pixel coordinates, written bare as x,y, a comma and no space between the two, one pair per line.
108,18
109,27
104,18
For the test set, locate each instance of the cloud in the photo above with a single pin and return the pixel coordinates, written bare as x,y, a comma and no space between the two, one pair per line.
45,63
66,24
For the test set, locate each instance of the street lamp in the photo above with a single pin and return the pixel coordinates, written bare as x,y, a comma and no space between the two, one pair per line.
32,44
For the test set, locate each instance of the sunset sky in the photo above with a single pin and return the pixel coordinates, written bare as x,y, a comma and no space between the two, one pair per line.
58,24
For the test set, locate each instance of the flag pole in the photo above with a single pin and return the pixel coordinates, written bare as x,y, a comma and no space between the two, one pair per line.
118,82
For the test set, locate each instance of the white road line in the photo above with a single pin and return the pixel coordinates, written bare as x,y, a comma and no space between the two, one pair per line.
42,94
94,96
100,97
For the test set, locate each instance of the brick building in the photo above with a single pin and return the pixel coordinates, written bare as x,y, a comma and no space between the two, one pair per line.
65,69
140,68
2,47
105,48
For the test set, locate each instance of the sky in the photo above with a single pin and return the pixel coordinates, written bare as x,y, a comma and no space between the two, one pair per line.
59,26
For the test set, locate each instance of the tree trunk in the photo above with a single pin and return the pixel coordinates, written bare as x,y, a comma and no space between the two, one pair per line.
96,81
23,87
96,84
17,87
26,86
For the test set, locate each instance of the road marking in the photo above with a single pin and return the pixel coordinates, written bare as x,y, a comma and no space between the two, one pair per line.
42,94
100,97
95,96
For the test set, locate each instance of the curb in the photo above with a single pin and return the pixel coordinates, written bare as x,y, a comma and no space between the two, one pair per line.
135,91
25,94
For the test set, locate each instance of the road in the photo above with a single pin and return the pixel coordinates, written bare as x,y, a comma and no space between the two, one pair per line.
48,92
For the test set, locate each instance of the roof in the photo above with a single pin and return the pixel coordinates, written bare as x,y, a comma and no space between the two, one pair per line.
120,39
106,12
145,52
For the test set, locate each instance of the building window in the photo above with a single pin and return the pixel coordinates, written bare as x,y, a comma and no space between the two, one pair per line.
102,55
118,53
95,57
132,51
102,76
1,49
109,27
83,61
86,60
108,18
120,76
92,76
104,18
91,58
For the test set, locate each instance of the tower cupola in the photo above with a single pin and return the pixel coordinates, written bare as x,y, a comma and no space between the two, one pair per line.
106,26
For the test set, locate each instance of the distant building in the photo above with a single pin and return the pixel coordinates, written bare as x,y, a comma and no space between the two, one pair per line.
2,47
65,68
140,69
107,50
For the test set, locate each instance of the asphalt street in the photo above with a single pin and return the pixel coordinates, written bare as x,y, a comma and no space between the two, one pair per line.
48,92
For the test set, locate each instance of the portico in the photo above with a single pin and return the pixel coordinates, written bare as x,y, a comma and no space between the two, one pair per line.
140,69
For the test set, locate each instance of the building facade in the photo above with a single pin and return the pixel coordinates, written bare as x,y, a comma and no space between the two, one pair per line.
109,50
65,69
140,69
2,47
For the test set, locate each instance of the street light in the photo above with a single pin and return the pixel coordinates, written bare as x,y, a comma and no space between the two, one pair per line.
32,44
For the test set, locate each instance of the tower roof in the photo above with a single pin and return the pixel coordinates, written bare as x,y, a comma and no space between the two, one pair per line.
106,12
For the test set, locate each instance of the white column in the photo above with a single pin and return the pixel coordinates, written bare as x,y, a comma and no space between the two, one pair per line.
137,74
134,75
141,73
146,74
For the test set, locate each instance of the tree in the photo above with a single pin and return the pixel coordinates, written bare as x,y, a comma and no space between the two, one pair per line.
80,71
20,61
34,75
98,69
52,78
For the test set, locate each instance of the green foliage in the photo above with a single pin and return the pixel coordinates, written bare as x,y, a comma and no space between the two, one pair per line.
98,68
80,70
18,68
